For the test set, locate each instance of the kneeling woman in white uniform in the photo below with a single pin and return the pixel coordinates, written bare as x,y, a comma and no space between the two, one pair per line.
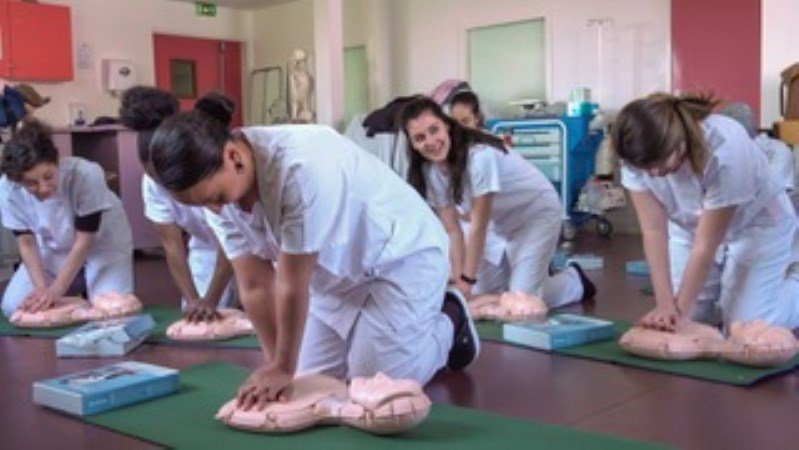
65,218
719,232
458,168
357,285
204,275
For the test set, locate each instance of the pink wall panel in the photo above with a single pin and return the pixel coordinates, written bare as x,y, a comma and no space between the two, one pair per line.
716,48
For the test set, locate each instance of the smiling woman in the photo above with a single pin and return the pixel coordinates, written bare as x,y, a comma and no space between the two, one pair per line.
465,172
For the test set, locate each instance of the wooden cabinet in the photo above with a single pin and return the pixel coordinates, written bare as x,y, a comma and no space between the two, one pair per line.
115,148
36,41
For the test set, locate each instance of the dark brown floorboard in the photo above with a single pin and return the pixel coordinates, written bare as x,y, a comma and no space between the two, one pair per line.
594,396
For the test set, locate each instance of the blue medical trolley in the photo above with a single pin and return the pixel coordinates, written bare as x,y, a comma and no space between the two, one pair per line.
562,147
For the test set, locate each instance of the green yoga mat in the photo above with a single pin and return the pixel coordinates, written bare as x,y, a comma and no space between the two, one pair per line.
610,351
163,316
185,421
6,329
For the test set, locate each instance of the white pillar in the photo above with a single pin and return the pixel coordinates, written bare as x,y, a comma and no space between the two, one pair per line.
329,62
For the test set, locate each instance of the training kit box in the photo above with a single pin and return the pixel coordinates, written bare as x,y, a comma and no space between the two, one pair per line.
107,387
559,331
113,337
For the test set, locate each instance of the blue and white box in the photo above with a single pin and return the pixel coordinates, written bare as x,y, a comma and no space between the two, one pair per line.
113,337
558,331
107,387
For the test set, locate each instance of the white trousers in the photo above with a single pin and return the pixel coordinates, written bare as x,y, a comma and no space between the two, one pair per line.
748,279
530,273
404,335
109,272
531,276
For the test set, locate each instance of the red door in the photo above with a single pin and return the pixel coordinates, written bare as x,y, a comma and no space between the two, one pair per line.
190,67
716,49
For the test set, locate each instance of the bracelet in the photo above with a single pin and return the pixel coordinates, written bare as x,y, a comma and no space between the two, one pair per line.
468,280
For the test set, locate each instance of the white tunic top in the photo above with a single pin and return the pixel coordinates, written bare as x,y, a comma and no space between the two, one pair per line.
736,174
82,190
521,193
320,193
161,208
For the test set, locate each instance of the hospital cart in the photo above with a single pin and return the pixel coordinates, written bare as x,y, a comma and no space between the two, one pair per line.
563,148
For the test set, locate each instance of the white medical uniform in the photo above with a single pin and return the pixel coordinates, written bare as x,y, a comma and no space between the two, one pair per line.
525,213
82,190
378,288
748,277
780,160
161,208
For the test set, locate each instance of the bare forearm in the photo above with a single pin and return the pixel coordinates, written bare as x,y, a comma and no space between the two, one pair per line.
657,255
474,251
292,312
177,262
75,260
29,251
456,249
255,280
219,280
694,277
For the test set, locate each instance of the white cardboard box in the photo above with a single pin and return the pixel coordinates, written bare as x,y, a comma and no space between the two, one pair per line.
113,337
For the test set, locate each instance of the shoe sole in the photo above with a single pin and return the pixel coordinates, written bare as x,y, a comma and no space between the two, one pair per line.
469,323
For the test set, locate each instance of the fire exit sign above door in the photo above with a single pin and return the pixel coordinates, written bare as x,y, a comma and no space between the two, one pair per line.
205,9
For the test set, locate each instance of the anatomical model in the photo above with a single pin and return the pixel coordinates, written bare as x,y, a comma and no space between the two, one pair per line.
233,323
378,405
507,307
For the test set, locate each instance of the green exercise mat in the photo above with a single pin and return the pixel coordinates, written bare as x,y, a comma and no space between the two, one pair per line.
185,421
610,351
6,329
165,316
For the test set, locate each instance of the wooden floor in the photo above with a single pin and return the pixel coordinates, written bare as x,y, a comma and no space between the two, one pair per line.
593,396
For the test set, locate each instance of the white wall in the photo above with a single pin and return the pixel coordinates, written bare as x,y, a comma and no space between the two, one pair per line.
279,30
429,41
124,29
780,50
370,23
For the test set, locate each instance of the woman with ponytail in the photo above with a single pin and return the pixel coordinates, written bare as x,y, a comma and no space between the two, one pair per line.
719,232
200,269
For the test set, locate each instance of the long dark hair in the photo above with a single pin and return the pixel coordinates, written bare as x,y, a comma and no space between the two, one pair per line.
187,147
30,145
461,140
648,130
470,100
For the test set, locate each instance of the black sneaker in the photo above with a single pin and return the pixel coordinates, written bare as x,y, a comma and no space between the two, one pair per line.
589,289
466,342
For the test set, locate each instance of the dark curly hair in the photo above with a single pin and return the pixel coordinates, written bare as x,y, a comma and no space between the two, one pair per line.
29,146
145,107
